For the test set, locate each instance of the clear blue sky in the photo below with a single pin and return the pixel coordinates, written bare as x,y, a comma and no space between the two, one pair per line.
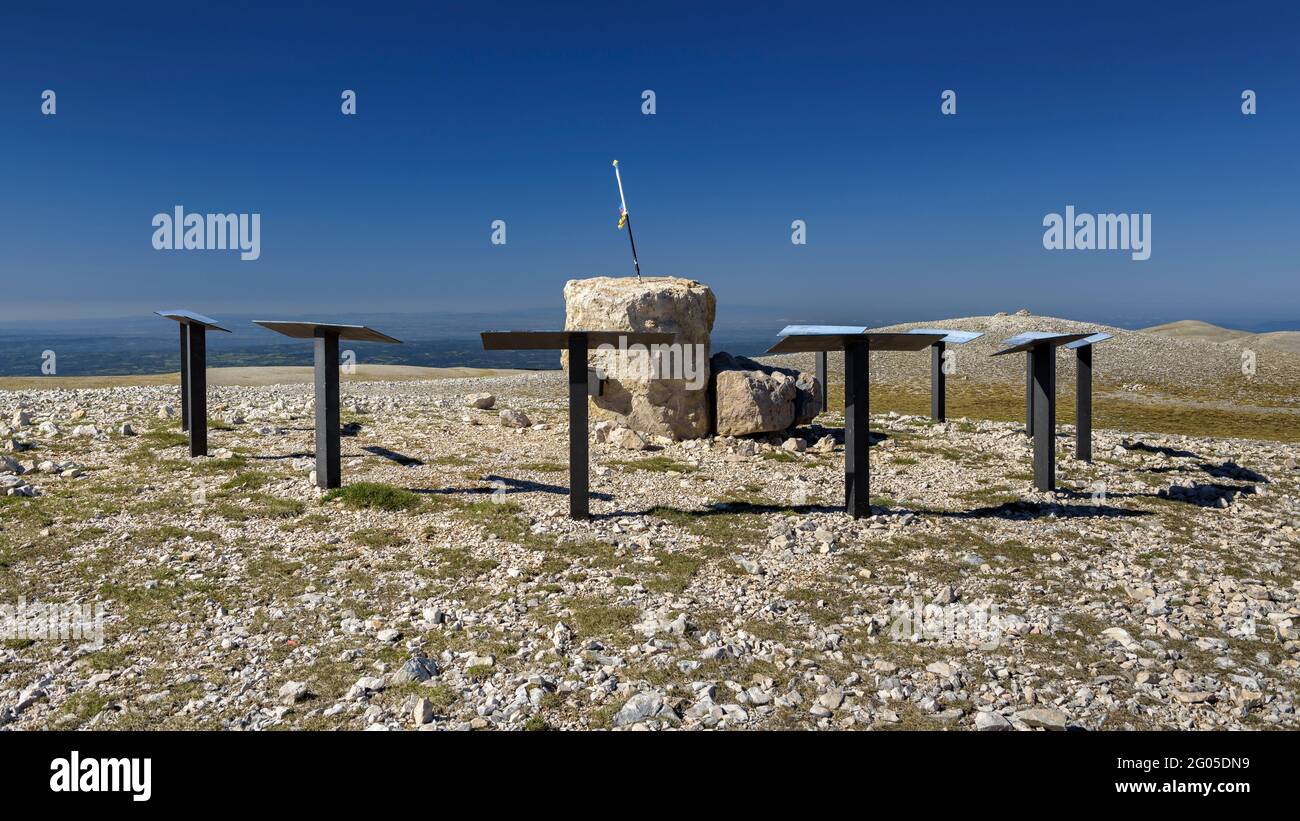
471,112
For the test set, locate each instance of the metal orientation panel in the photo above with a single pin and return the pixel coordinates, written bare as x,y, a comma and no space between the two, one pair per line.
308,330
578,343
325,338
1089,340
950,337
1033,339
806,343
822,330
1040,394
857,344
194,374
192,318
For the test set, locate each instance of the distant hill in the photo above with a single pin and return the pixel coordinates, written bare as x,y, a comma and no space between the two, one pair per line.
1206,332
1209,361
1196,329
1282,340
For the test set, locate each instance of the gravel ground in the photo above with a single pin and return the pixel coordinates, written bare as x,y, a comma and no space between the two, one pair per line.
717,586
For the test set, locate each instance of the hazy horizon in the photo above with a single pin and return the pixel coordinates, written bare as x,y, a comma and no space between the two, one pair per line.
146,343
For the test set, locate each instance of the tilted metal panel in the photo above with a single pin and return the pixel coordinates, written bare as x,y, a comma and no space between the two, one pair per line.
1090,340
822,330
191,318
307,330
950,337
804,343
1033,339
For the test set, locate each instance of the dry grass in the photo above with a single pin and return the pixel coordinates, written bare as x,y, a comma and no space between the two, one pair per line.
1005,403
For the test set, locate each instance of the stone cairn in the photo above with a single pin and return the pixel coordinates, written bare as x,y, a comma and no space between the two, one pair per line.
681,392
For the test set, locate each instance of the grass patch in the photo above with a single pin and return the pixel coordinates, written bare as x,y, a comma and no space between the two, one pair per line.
595,619
373,496
260,506
250,480
455,461
166,533
724,527
159,439
503,520
1006,403
675,572
31,511
655,464
377,537
544,467
277,575
460,563
780,456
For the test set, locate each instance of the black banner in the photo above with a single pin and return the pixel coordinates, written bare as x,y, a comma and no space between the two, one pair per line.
151,771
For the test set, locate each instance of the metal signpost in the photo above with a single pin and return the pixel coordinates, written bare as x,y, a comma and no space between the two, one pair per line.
1083,394
857,345
326,337
1040,397
581,384
939,376
194,375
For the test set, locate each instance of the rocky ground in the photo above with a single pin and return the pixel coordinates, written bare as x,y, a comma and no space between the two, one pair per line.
717,586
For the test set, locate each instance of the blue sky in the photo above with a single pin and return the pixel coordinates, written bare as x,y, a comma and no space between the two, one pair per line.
828,113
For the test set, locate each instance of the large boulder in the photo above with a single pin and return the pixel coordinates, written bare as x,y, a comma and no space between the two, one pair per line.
663,392
754,398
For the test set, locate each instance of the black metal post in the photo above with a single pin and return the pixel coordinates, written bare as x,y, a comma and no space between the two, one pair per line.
185,375
579,507
1029,392
821,381
938,384
1083,403
1043,358
857,428
327,409
196,388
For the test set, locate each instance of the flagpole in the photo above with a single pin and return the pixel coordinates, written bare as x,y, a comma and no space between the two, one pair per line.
626,219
